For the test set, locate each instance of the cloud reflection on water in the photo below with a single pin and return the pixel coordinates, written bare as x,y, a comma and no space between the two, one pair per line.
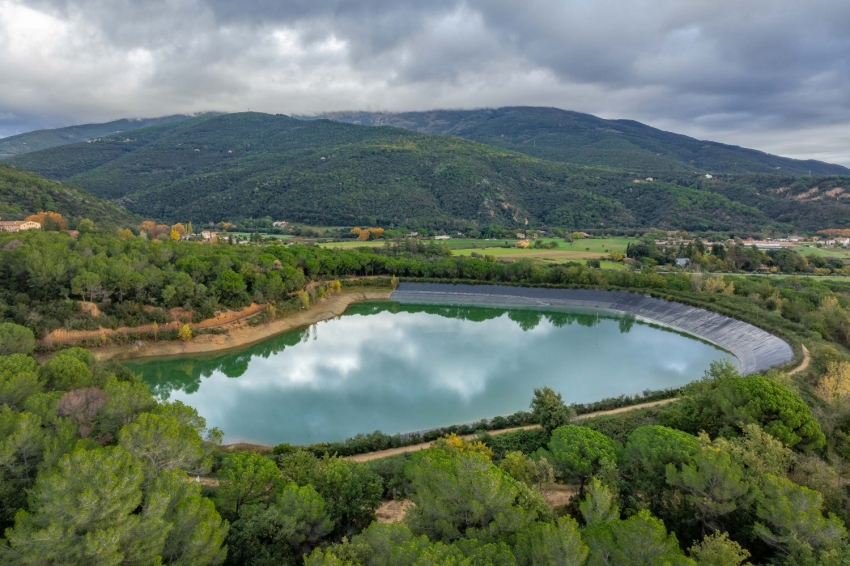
398,367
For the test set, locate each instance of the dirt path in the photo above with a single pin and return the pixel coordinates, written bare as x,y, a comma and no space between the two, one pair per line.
806,359
240,332
369,456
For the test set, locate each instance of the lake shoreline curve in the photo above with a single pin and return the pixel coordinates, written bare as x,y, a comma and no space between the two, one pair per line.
755,349
240,334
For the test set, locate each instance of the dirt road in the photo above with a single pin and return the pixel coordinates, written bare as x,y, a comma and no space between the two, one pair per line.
423,445
806,359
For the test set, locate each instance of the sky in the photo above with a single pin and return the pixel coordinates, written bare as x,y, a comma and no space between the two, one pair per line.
768,74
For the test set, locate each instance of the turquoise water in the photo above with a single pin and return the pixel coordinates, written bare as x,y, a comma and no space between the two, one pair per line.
396,368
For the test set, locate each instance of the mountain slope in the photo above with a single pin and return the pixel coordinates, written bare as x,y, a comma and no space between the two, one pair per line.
23,193
572,137
330,173
45,139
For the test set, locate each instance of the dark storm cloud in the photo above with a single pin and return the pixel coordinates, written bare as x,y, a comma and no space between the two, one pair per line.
759,70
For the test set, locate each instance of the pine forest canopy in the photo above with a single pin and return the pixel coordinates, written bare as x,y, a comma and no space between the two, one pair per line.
251,165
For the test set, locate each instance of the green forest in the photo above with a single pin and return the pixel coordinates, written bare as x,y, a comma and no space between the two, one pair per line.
23,194
95,470
573,137
251,165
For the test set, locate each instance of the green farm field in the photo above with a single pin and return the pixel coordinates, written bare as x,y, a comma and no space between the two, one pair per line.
835,251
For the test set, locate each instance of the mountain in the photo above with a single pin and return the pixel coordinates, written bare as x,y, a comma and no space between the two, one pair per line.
573,137
23,193
331,173
45,139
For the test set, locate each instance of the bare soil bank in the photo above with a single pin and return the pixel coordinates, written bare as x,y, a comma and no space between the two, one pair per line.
241,333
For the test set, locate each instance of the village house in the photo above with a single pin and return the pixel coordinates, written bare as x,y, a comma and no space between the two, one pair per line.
280,224
18,225
209,235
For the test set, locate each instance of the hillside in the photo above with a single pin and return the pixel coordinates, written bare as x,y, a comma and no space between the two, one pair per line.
45,139
329,173
23,193
573,137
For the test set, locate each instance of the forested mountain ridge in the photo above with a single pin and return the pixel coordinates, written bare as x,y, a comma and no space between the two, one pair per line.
54,137
323,172
573,137
23,193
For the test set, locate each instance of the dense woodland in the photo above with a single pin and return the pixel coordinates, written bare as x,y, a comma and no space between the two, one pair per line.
251,165
23,194
573,137
93,469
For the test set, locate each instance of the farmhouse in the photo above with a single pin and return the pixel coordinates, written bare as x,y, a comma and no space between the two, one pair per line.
18,225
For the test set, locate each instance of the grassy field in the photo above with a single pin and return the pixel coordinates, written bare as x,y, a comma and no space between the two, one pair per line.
807,250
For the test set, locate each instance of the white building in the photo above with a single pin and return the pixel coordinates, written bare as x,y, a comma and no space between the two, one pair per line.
18,225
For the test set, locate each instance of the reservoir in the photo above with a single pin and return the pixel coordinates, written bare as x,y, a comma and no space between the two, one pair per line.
397,367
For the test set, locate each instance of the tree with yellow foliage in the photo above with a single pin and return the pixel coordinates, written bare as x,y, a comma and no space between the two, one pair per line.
48,220
174,235
125,233
179,228
356,231
718,285
834,390
378,233
454,443
185,333
364,235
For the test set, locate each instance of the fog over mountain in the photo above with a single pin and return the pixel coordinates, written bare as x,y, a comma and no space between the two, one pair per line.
767,74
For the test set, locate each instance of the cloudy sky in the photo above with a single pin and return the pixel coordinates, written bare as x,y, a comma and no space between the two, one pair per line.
770,74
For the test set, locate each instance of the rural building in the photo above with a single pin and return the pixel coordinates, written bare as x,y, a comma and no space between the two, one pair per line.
209,235
280,224
18,225
682,262
442,237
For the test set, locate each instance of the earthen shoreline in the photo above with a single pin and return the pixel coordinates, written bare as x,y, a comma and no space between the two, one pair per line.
241,333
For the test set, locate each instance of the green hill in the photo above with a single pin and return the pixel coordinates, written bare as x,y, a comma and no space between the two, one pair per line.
45,139
572,137
330,173
23,193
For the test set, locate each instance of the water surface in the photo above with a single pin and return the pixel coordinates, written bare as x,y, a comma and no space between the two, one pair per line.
397,368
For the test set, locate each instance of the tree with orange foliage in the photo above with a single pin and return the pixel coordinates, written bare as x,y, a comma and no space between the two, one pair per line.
179,228
148,226
364,235
378,233
48,220
355,231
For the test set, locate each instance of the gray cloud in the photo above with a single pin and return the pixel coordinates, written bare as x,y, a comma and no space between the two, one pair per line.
773,74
